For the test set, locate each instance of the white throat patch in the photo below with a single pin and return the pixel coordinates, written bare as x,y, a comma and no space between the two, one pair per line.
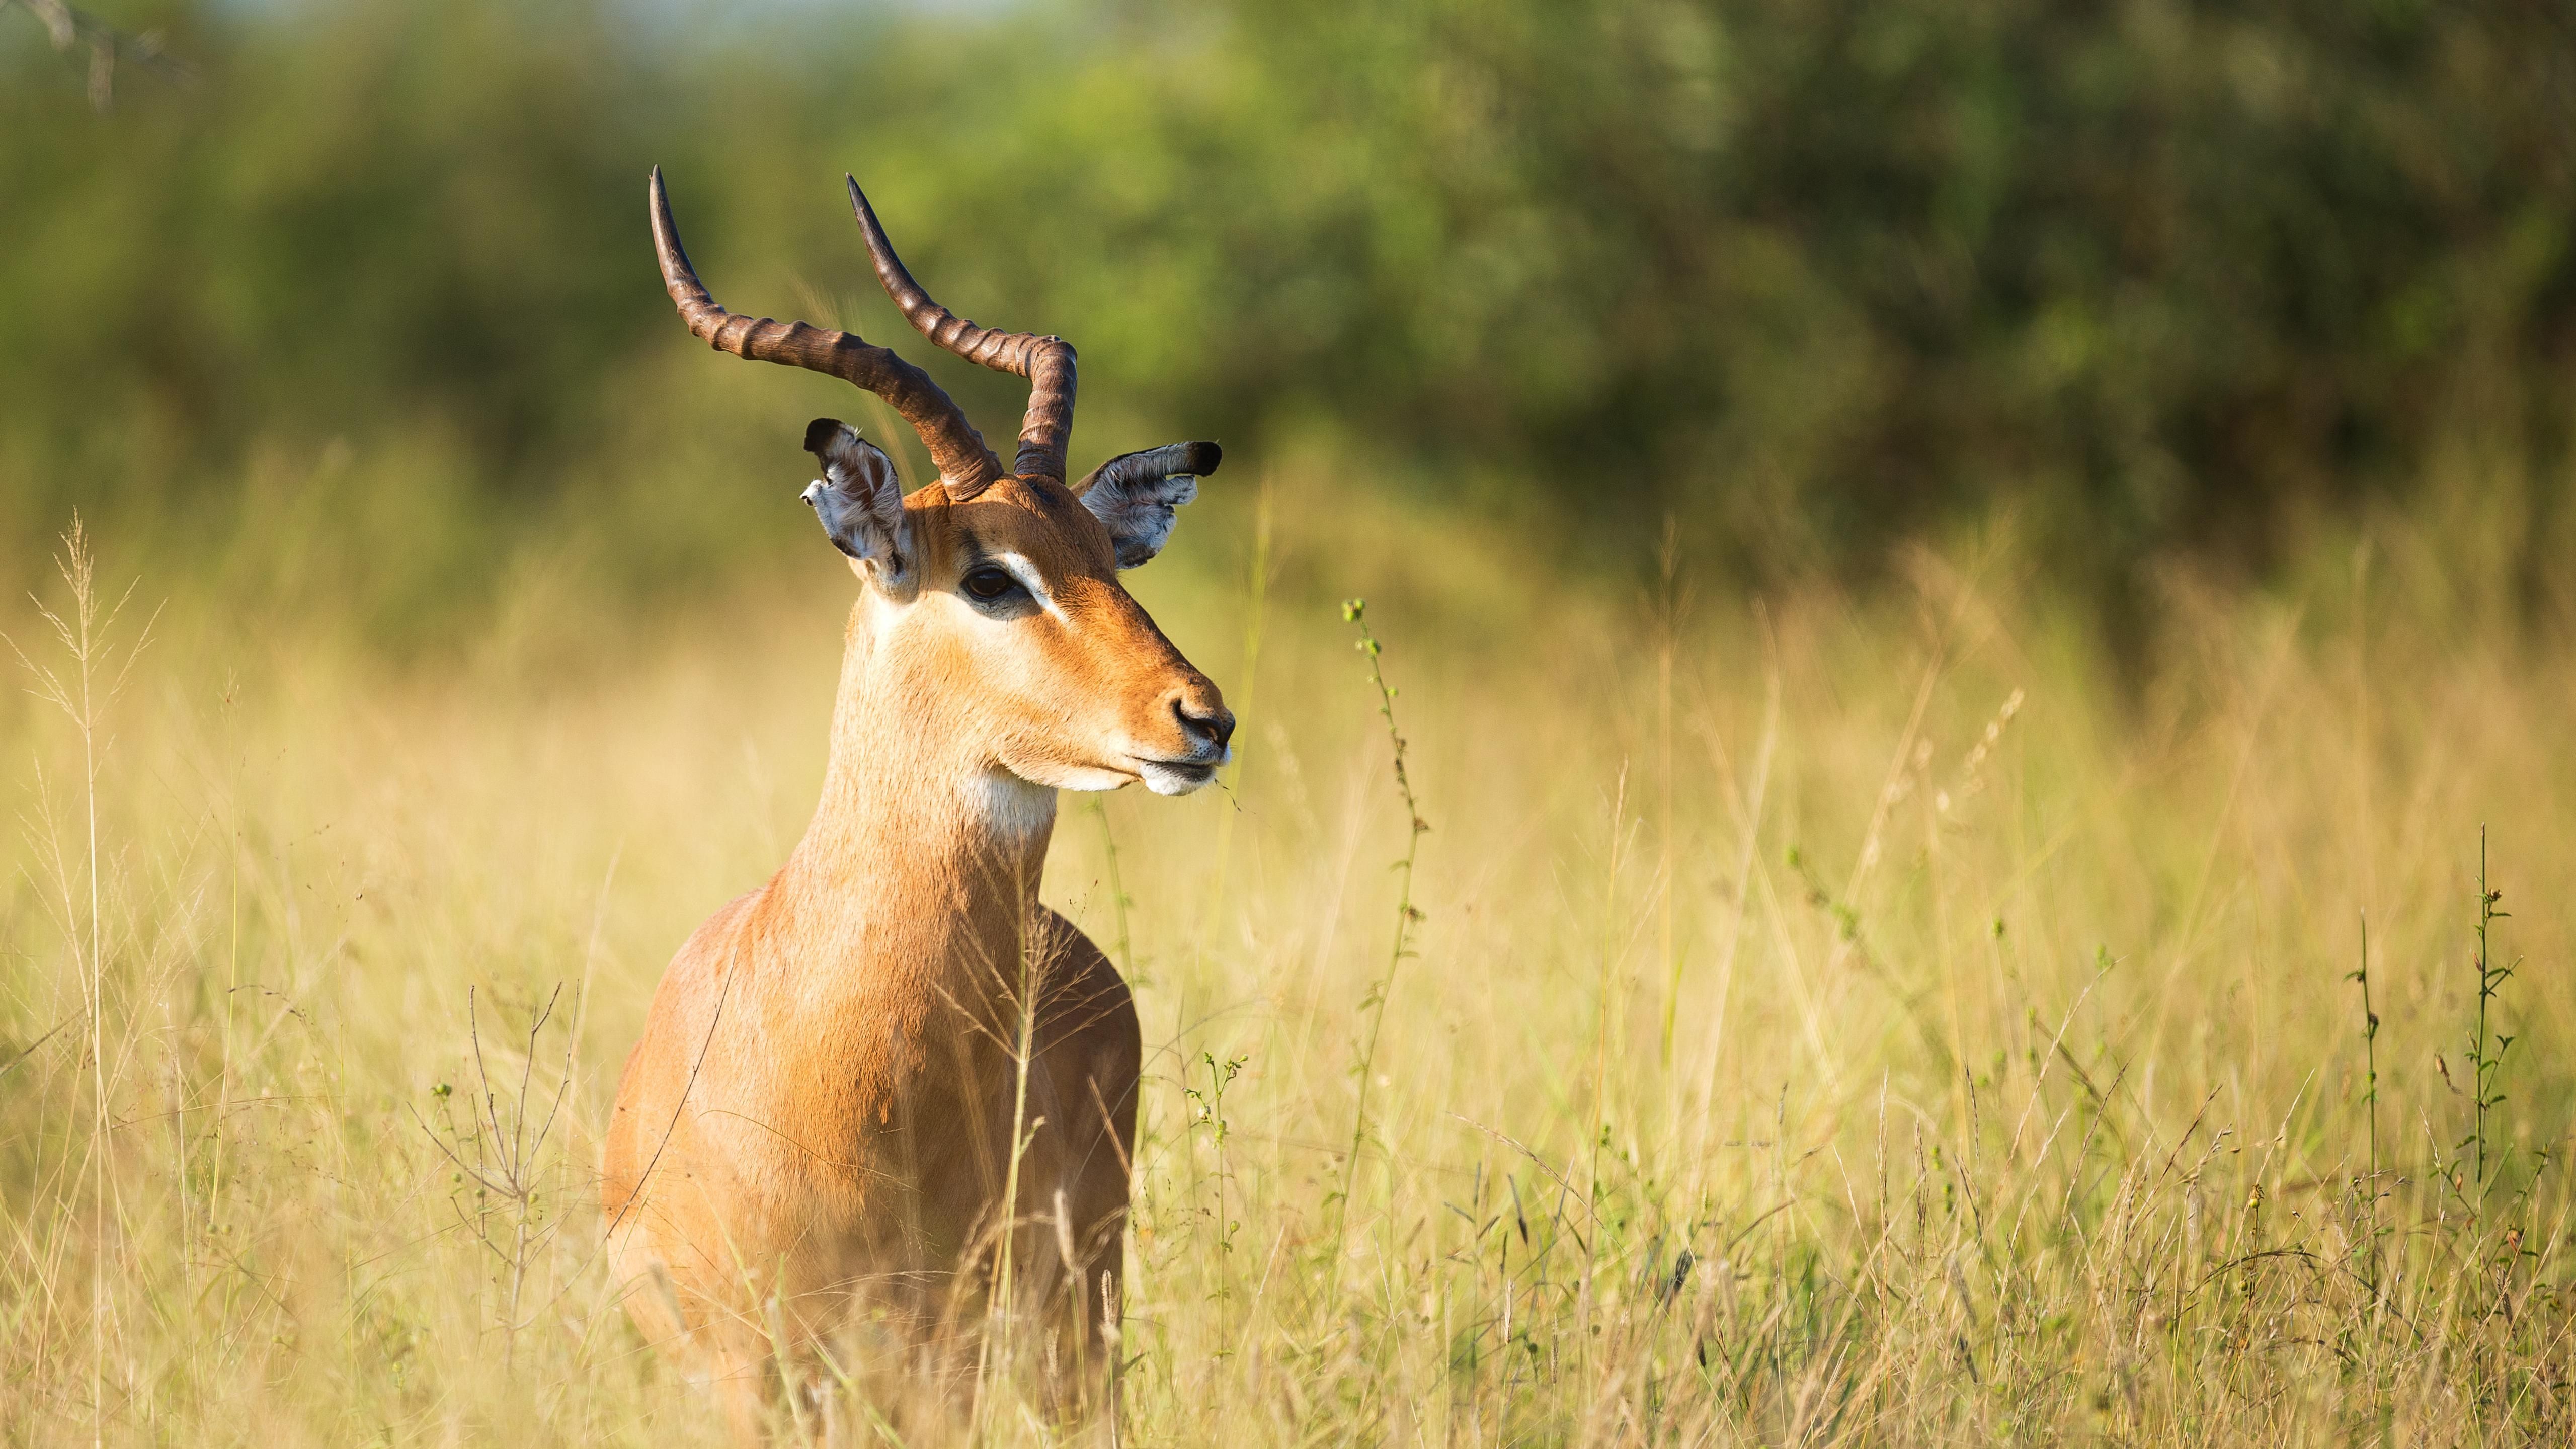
1010,806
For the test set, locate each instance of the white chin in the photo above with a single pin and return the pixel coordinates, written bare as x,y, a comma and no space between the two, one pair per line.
1175,779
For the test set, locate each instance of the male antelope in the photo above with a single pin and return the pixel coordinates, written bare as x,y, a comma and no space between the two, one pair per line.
816,1131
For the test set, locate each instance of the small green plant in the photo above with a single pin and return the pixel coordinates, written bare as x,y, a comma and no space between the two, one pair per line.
1207,1117
1407,916
2487,1048
2370,1100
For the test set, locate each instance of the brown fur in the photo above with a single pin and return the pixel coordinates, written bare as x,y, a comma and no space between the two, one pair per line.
820,1110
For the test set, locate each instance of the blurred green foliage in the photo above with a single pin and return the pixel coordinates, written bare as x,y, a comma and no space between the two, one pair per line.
1809,274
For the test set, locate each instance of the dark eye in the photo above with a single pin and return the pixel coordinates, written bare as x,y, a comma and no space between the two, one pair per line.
989,583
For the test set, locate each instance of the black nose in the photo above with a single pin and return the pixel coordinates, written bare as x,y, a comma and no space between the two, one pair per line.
1215,726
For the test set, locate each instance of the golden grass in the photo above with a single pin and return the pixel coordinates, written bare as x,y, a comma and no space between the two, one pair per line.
1830,1020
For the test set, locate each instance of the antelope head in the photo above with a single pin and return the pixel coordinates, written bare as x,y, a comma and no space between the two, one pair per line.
998,589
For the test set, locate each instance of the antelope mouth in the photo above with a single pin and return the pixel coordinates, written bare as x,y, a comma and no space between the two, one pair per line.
1177,777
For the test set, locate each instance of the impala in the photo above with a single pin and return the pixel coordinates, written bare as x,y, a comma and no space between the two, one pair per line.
888,1080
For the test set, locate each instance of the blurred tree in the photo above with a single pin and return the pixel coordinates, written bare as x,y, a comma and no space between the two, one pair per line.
1812,273
105,46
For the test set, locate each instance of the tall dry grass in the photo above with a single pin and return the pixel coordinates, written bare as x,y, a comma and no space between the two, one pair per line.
1812,1018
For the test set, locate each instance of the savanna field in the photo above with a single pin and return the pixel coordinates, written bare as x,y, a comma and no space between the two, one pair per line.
1816,1014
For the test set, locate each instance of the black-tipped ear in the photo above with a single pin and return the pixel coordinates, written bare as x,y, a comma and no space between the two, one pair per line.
1196,460
832,440
859,500
1136,494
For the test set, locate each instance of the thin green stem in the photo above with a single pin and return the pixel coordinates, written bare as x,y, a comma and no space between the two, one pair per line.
1117,887
2486,1050
2370,1101
1355,611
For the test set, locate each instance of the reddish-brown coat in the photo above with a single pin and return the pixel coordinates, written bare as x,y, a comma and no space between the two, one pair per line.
819,1111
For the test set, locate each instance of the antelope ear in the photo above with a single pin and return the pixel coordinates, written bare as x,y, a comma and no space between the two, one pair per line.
1135,494
861,504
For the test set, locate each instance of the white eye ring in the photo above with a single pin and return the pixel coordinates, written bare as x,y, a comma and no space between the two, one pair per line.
1019,568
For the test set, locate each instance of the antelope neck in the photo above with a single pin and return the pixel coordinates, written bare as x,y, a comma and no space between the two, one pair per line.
919,834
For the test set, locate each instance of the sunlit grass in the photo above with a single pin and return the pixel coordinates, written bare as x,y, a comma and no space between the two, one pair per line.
1827,1019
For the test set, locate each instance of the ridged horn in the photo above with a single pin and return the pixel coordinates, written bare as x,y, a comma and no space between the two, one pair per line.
1047,362
956,449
